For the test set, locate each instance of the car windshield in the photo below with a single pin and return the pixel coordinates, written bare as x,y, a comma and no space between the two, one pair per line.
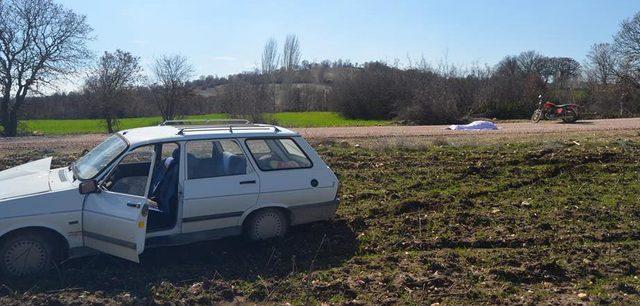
89,165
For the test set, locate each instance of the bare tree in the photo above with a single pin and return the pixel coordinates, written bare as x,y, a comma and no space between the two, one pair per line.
39,41
270,56
270,60
111,83
243,99
604,89
627,45
291,52
561,69
508,67
601,63
530,62
290,61
172,74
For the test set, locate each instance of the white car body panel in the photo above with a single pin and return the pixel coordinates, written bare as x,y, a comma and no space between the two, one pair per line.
34,196
292,188
112,226
30,178
206,208
60,211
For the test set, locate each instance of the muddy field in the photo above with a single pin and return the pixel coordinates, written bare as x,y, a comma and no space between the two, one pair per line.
421,221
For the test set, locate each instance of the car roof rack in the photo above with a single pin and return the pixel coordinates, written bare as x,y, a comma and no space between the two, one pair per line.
230,127
204,121
203,125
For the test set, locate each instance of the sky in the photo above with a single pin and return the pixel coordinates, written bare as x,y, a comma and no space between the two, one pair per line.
227,37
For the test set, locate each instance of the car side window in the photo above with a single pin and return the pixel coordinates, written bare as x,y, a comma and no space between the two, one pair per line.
278,154
131,174
214,158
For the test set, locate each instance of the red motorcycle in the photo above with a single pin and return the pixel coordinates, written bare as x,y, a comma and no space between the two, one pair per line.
551,111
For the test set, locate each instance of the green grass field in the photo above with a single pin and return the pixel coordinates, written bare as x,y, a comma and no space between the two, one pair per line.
286,119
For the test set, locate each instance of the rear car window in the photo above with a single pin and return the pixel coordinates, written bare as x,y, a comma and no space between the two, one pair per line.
214,158
278,154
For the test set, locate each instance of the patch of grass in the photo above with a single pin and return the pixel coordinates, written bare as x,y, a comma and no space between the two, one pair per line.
285,119
87,126
321,119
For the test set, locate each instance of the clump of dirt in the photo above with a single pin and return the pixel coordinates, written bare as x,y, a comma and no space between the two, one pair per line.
535,273
410,205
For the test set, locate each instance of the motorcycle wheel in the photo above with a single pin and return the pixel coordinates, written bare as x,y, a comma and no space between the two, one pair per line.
537,116
572,116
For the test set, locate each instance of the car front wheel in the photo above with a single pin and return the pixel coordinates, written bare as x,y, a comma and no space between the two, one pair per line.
25,254
266,224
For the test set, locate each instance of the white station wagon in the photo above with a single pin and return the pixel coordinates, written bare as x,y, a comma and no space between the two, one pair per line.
163,185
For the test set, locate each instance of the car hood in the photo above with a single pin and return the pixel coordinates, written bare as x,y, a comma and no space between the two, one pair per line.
27,179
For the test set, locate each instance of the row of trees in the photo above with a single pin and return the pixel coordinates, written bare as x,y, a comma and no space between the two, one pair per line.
419,93
606,84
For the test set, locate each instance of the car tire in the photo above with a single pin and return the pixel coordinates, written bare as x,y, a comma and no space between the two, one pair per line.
266,224
26,255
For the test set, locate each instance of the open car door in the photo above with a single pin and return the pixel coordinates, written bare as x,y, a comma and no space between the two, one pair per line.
115,218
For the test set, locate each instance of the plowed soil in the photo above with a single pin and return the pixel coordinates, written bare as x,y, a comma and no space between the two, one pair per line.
424,219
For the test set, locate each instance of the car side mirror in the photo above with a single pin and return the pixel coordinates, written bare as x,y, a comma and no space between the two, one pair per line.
87,187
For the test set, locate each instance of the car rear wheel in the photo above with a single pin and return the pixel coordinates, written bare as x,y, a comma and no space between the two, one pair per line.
26,254
266,224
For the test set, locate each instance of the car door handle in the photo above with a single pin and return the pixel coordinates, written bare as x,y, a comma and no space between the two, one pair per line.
134,205
248,182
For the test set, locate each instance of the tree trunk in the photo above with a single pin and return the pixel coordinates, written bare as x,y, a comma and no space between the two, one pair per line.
109,125
9,119
4,112
5,117
621,107
12,129
9,122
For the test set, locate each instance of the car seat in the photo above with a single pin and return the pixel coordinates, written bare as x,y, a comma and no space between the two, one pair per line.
166,193
234,164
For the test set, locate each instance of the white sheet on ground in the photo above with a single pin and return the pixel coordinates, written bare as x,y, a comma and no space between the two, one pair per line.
473,126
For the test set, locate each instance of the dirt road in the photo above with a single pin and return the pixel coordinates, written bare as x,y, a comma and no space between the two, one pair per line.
518,129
